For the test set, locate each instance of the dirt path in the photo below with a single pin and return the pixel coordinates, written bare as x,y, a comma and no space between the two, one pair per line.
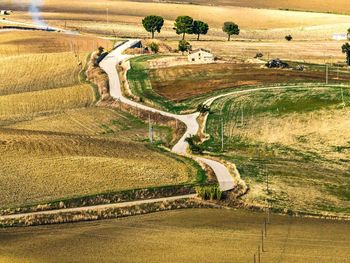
98,207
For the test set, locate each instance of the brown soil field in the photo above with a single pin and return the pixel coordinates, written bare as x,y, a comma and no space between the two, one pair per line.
182,82
124,18
200,235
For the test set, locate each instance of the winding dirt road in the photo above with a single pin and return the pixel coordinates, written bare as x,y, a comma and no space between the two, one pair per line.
109,63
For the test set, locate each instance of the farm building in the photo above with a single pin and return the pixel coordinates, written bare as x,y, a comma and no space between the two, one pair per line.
5,12
201,56
337,36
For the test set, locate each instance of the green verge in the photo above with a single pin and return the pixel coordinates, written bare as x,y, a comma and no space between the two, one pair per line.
140,85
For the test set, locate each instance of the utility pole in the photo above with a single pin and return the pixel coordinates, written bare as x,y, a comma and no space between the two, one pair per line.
326,74
254,258
267,179
150,128
222,134
265,227
262,241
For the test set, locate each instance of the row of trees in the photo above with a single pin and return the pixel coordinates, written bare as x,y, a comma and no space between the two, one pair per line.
186,25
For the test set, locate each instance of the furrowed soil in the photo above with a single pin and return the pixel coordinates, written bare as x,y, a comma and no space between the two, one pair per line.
186,81
201,235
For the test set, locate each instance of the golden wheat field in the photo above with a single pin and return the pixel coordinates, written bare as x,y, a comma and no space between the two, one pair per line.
123,18
45,166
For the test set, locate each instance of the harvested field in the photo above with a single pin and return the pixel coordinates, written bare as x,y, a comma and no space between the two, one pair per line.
39,167
24,106
21,72
56,144
320,52
96,121
186,81
200,235
124,18
297,137
16,43
337,6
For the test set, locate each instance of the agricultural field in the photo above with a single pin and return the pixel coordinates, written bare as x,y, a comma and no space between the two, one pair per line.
296,139
39,167
55,144
123,18
338,7
186,81
202,235
183,87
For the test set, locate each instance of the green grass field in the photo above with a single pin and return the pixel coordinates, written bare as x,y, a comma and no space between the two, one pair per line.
200,235
298,137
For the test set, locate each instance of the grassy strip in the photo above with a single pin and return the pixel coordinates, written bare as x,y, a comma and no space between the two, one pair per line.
140,85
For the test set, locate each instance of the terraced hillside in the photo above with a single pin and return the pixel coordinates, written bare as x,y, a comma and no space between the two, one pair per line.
297,139
55,144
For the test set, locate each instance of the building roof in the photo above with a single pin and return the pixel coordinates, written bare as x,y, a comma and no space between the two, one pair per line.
201,49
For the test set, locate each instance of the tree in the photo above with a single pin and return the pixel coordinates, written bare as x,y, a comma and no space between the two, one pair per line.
153,24
346,49
288,38
230,29
183,25
184,46
200,28
154,47
348,34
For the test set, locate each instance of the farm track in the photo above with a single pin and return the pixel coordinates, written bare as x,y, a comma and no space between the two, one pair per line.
98,207
190,120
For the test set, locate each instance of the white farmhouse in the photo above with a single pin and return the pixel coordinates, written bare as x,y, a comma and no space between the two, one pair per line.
201,56
337,36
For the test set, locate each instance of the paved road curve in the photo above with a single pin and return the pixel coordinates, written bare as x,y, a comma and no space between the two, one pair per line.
109,66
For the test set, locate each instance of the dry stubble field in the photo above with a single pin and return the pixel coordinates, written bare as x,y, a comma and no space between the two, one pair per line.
180,236
124,18
54,144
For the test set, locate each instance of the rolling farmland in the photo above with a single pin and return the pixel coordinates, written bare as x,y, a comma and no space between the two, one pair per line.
55,144
124,18
180,236
298,137
200,79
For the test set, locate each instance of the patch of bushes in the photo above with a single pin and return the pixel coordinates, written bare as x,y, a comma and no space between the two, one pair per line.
211,192
194,144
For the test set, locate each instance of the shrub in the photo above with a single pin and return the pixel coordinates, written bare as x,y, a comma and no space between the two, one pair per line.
288,38
154,47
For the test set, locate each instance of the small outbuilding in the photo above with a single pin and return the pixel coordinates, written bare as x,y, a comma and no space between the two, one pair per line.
337,36
5,12
201,56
